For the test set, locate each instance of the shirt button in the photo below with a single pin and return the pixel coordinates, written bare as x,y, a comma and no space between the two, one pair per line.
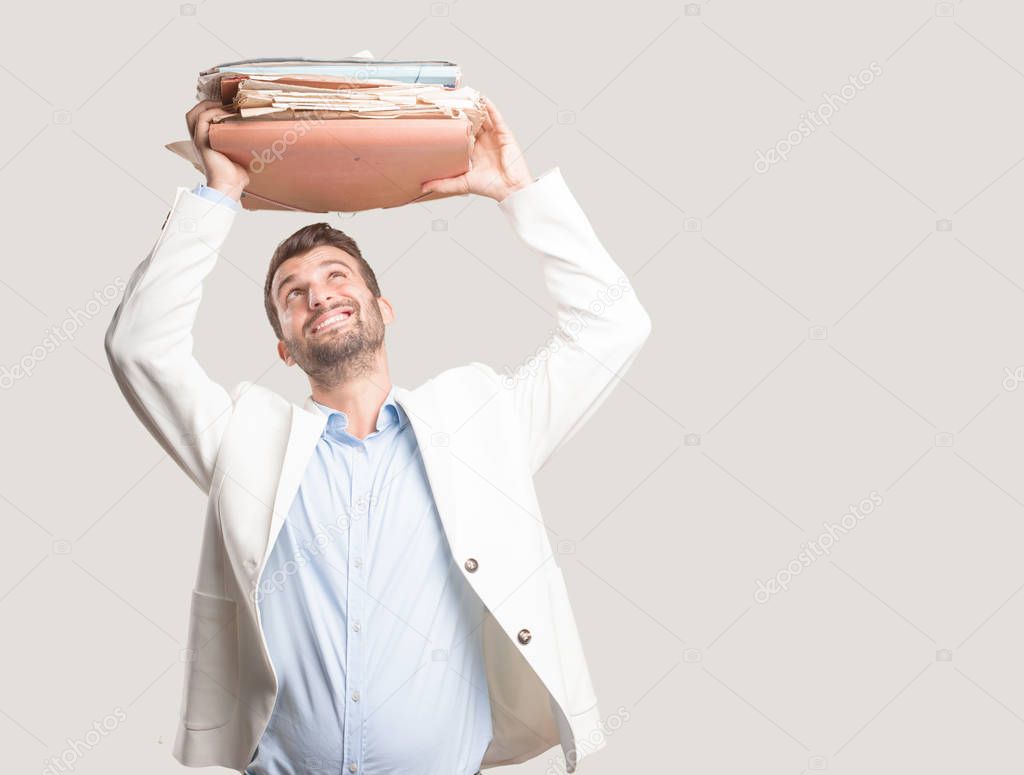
524,636
352,767
355,626
471,565
355,696
358,562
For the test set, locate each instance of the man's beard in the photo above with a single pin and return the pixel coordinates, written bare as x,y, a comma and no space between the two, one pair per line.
335,356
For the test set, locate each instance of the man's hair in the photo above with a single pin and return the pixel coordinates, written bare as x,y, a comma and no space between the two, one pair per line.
305,239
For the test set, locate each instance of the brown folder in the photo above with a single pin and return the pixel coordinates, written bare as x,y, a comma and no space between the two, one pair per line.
343,164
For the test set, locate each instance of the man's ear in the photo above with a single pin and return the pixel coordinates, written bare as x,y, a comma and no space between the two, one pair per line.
386,310
282,351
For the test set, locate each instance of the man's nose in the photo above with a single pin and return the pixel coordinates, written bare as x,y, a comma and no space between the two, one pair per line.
319,296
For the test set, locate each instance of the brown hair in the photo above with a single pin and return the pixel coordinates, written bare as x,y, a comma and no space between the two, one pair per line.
305,239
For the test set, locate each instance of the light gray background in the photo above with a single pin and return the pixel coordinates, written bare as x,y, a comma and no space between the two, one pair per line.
849,321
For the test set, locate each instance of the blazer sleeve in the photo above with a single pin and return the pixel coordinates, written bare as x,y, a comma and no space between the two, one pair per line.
599,325
149,339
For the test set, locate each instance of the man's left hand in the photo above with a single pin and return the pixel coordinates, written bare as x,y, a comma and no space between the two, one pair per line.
496,167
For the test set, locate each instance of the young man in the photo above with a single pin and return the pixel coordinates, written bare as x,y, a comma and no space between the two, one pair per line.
376,590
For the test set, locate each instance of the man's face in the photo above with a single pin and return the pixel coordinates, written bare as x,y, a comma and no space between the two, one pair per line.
329,318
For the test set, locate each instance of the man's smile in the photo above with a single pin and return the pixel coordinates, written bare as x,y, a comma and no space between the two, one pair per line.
332,319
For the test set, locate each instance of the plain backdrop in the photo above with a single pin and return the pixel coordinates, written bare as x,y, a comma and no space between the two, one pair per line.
837,321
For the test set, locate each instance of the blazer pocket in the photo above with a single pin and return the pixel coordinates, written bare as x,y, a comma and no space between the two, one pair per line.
211,675
579,690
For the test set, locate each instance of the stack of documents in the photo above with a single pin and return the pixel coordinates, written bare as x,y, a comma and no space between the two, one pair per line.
347,135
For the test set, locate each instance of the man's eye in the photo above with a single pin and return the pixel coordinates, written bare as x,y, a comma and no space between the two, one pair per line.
340,273
293,290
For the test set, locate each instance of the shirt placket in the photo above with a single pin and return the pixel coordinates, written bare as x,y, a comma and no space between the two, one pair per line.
357,530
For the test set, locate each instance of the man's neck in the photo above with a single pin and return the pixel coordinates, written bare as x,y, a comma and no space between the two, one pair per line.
360,398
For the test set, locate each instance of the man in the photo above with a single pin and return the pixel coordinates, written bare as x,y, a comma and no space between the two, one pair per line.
376,590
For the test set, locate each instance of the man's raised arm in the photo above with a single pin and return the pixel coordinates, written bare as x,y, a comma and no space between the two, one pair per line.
600,324
149,340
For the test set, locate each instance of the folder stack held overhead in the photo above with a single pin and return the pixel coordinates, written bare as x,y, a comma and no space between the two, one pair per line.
347,135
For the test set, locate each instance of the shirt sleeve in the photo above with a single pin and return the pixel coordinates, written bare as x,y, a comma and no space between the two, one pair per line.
214,195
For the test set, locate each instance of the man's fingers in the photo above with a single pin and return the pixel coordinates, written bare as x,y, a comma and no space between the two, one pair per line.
193,114
488,122
202,105
459,185
495,115
201,131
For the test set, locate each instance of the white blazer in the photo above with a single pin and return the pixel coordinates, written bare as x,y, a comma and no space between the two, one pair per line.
482,437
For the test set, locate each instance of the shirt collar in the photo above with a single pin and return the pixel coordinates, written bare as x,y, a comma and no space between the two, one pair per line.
390,414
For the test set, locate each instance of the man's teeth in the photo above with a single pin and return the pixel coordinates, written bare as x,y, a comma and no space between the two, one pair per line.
333,320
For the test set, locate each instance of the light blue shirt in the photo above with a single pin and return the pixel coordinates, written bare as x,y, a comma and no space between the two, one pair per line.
214,195
374,633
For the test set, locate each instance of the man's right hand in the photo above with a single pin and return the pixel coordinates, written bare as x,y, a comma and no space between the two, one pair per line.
221,173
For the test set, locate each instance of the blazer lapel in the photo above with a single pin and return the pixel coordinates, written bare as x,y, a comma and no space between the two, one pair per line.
429,427
306,426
